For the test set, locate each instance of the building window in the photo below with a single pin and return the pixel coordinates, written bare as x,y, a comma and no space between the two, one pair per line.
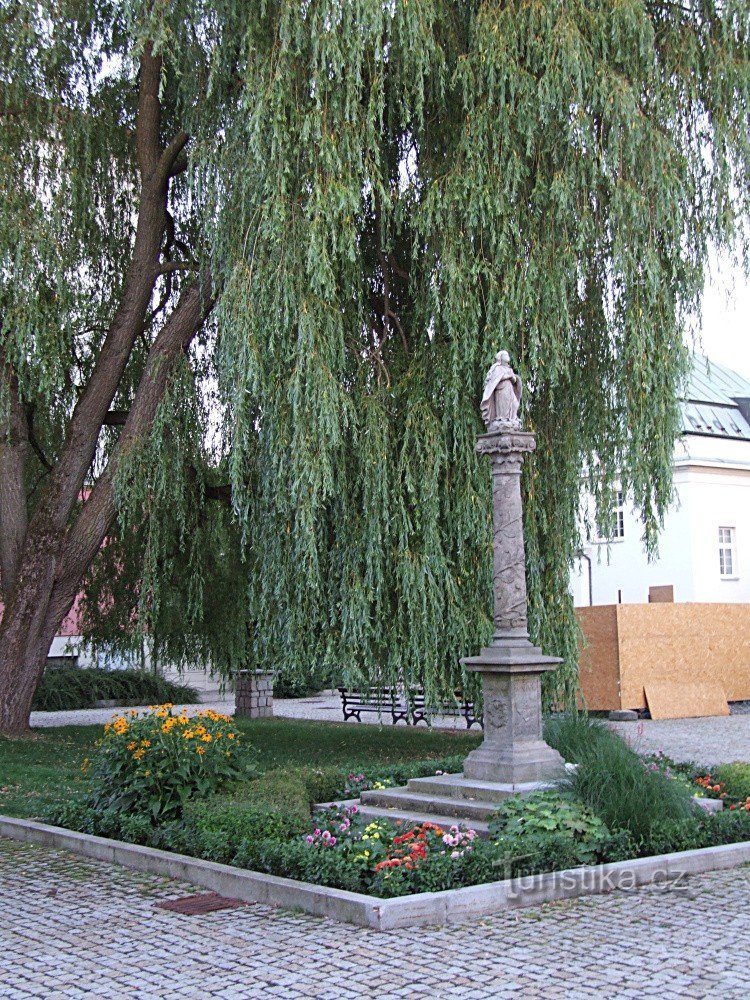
619,515
727,554
615,529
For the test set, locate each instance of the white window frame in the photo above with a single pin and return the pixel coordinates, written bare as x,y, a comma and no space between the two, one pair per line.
618,521
727,547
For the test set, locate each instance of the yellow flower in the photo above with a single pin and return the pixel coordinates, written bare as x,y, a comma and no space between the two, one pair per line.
146,774
188,734
132,745
200,750
207,737
182,719
230,736
138,754
145,743
133,713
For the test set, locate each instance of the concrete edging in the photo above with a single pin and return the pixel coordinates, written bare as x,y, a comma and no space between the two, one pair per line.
446,907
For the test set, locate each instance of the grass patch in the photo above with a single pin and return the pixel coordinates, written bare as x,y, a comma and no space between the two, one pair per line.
46,767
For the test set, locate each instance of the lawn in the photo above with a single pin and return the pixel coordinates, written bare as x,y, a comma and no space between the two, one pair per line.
38,770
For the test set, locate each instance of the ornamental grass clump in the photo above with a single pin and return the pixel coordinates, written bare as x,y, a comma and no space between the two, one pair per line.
613,781
152,764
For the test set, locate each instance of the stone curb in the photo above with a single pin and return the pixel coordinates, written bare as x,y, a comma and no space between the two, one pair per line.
450,906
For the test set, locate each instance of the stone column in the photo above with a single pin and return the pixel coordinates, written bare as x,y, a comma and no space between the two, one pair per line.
513,751
253,696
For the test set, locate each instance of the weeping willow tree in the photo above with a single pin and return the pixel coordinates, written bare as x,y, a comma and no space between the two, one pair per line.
318,221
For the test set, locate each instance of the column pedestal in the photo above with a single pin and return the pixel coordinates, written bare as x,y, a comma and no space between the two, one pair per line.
513,751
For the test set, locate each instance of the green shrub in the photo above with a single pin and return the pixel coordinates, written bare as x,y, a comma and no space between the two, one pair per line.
296,859
613,781
69,688
523,826
736,780
152,764
220,828
275,806
284,791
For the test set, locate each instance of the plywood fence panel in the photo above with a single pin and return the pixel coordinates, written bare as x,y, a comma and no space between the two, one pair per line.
663,643
599,657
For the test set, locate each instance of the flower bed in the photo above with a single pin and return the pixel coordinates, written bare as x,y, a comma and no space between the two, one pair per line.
188,785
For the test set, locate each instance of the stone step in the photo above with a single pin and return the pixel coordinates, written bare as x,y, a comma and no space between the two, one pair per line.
370,812
407,800
459,787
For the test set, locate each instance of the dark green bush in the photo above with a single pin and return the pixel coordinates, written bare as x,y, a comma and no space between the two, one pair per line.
296,859
219,829
70,688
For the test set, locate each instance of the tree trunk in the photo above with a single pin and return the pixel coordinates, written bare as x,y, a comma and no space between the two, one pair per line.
54,563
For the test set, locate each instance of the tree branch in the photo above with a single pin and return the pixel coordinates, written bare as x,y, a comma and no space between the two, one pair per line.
87,534
13,448
171,157
175,265
116,418
61,491
148,117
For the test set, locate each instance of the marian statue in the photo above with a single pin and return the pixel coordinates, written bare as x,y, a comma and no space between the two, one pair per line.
501,396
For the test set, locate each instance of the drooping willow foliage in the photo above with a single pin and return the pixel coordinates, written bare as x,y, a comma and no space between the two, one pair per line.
389,191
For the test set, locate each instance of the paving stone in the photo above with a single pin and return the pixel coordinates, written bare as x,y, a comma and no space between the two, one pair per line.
100,936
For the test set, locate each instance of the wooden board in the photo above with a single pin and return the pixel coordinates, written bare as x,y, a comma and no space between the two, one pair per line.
680,700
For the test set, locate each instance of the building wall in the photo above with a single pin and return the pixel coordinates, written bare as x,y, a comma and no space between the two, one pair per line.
712,489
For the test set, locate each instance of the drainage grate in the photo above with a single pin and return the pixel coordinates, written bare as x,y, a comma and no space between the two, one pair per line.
201,902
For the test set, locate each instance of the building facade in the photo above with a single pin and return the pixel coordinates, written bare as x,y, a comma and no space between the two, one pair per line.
704,548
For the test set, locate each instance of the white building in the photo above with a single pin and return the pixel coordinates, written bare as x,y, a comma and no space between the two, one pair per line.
704,549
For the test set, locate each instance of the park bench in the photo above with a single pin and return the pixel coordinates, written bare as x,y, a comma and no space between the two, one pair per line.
381,701
412,710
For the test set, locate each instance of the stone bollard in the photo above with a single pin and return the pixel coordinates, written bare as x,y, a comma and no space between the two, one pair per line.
253,694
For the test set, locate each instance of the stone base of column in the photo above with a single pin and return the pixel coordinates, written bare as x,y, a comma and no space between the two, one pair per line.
514,751
253,696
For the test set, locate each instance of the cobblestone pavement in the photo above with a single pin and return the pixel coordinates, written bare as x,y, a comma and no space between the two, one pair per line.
83,929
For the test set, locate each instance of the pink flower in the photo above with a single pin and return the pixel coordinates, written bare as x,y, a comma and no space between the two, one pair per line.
310,839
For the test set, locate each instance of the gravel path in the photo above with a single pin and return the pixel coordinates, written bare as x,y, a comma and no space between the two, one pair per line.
714,740
323,707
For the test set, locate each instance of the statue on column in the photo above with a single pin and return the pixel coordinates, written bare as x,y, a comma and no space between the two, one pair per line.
502,395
